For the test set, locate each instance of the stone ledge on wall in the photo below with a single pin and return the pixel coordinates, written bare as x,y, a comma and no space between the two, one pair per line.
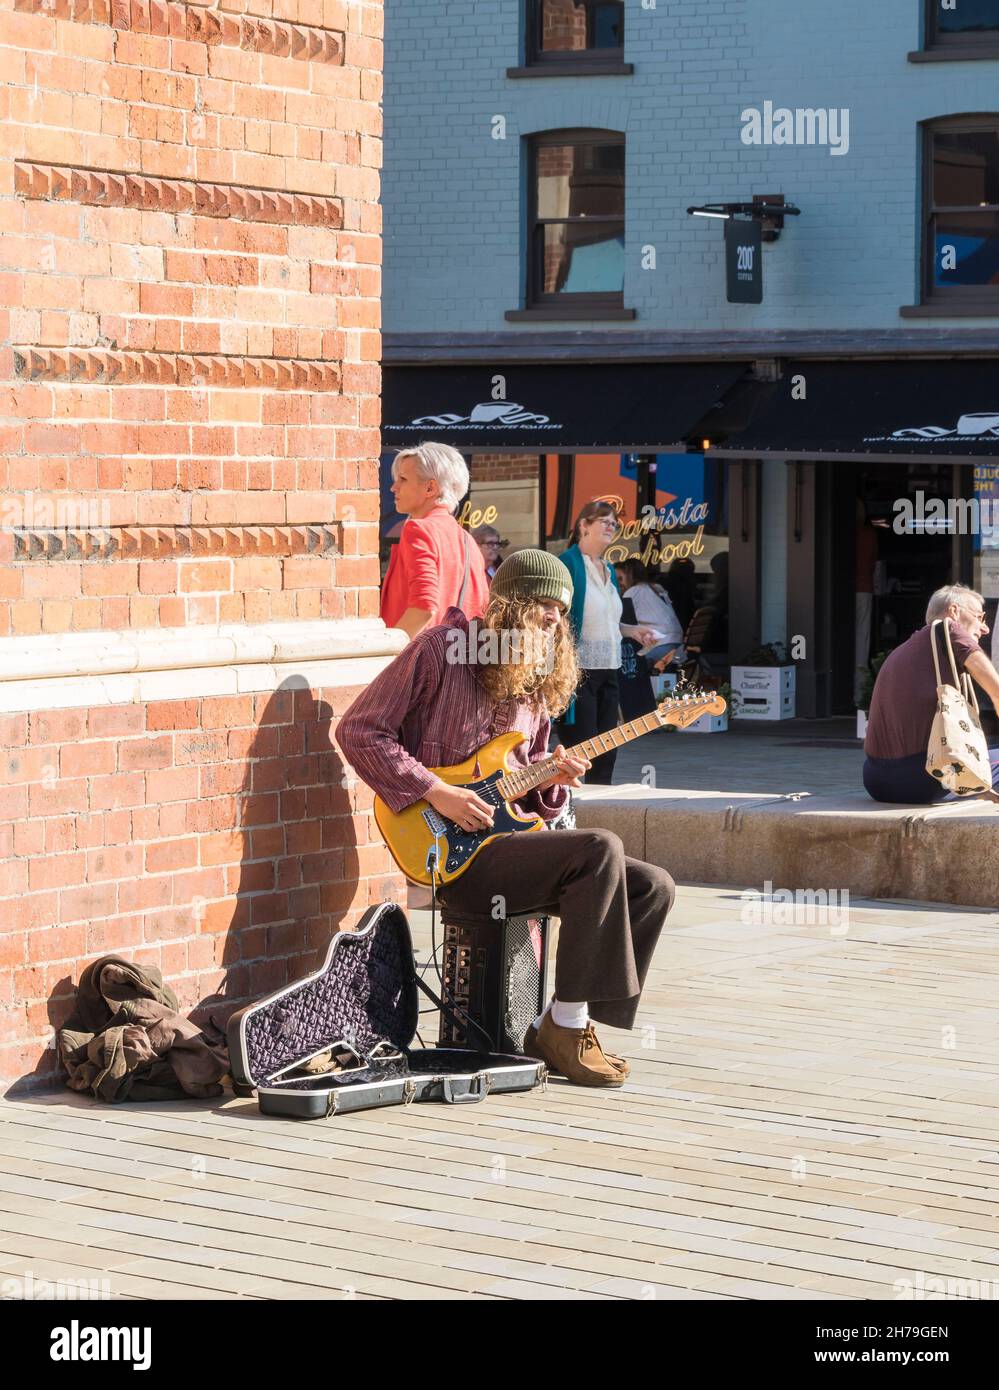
72,670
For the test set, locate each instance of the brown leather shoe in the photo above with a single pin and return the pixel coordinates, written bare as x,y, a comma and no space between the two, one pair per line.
575,1053
530,1049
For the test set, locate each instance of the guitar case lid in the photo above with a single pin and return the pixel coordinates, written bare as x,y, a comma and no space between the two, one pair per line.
365,991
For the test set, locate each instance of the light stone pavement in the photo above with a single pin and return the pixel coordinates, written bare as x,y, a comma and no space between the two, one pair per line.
812,1114
820,756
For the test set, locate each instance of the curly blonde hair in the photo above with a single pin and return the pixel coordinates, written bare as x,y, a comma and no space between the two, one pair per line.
549,684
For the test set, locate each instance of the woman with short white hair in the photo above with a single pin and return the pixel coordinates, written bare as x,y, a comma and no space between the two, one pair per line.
435,566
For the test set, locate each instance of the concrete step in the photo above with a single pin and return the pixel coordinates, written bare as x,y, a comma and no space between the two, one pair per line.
946,853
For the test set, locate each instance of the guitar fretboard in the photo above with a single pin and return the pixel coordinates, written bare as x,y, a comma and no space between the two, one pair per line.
517,784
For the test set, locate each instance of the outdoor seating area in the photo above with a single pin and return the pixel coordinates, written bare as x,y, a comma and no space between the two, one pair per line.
806,822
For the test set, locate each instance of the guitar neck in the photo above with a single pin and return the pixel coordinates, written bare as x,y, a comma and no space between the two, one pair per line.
517,784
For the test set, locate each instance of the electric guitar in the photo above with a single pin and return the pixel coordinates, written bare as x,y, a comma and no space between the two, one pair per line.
429,847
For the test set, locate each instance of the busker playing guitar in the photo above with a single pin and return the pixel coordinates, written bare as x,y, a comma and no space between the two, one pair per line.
430,709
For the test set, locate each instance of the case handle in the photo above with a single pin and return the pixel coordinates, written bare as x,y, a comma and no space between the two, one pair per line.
477,1091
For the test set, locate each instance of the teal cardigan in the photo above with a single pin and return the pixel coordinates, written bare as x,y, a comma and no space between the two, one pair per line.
572,558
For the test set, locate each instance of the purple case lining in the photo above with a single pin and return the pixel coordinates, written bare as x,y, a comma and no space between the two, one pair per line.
365,991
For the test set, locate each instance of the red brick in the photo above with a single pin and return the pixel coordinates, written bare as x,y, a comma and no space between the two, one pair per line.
138,753
117,719
171,854
94,900
87,759
57,871
173,714
116,791
59,726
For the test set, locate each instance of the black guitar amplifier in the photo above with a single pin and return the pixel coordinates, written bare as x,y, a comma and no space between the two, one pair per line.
495,972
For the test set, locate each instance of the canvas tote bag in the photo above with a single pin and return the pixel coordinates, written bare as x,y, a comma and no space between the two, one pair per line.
957,755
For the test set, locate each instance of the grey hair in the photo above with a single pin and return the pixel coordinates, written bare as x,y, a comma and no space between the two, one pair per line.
442,463
950,593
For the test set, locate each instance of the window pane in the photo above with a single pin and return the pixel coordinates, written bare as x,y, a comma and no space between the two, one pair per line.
579,26
966,249
581,259
967,16
966,167
580,180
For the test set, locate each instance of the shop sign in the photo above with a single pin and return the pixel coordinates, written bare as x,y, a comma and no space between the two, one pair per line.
744,260
652,526
471,518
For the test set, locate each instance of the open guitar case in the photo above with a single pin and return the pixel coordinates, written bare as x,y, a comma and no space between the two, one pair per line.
362,1008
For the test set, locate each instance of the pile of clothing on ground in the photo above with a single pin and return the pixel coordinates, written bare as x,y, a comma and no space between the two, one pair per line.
128,1040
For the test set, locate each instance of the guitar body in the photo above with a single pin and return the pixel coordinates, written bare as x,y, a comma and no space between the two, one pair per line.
418,834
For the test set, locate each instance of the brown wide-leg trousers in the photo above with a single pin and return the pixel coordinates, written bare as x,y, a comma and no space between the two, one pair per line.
612,909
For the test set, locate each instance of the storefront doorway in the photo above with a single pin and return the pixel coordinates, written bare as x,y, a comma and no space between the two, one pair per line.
898,562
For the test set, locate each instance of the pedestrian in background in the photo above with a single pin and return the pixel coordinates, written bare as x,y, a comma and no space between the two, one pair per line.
595,620
489,541
436,565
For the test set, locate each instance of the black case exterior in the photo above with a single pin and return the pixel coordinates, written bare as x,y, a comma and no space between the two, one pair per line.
364,993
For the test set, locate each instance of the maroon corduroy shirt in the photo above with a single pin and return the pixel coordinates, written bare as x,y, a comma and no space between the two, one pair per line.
425,711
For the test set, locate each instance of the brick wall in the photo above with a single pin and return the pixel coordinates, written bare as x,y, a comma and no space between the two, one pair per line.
503,467
220,839
190,255
189,344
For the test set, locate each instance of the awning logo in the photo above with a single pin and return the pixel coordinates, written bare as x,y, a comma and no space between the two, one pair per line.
983,424
485,415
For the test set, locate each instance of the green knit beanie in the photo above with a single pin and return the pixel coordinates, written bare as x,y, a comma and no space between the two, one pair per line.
533,574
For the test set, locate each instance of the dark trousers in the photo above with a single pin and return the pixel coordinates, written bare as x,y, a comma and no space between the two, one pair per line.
612,909
597,709
906,781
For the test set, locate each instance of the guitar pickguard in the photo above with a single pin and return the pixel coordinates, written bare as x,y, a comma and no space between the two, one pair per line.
456,846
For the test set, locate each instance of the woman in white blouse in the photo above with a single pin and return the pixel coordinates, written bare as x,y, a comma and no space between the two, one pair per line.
595,619
653,610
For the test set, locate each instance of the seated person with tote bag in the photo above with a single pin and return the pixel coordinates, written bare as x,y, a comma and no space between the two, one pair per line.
904,703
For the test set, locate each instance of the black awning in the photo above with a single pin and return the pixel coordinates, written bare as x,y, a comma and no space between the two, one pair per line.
945,408
631,406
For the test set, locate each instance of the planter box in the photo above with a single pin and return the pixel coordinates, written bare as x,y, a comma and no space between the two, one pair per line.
707,724
861,723
763,692
663,685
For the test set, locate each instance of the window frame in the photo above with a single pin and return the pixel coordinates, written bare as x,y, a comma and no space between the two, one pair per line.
956,46
575,303
535,56
980,299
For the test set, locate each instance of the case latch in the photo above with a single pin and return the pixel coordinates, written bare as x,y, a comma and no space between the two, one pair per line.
478,1089
331,1100
408,1092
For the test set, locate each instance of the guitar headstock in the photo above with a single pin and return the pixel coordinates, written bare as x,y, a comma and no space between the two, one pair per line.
683,710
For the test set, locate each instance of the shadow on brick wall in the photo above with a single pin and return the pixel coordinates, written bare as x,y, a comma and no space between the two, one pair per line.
297,878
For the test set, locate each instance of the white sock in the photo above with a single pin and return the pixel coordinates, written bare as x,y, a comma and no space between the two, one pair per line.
541,1017
566,1015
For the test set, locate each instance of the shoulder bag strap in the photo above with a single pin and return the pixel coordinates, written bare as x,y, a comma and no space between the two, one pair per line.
933,645
950,655
464,582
